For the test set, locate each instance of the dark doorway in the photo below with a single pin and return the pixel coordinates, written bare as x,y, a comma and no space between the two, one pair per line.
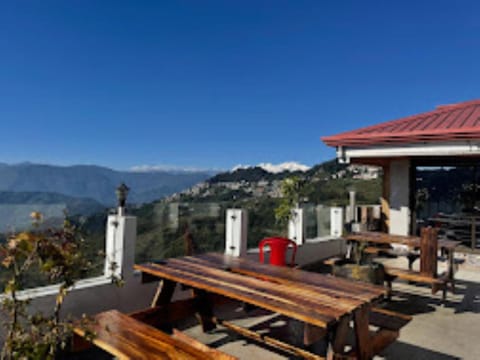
446,197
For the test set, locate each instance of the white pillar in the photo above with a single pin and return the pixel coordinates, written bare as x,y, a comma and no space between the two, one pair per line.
336,221
353,207
296,226
236,232
120,245
399,197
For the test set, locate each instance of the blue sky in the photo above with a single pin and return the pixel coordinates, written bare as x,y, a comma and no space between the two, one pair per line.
212,84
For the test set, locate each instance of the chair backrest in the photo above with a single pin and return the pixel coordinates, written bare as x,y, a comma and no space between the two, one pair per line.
278,249
428,251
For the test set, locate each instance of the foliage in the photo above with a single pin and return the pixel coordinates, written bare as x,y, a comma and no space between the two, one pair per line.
292,191
58,256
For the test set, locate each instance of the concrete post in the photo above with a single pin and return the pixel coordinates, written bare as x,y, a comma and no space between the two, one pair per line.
296,226
336,221
236,232
399,212
353,212
121,235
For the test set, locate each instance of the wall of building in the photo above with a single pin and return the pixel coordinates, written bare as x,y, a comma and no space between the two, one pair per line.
399,197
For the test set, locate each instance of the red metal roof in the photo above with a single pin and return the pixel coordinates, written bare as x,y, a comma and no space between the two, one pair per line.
445,123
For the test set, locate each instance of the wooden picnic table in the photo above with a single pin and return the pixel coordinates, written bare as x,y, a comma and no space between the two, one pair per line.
411,241
427,254
325,304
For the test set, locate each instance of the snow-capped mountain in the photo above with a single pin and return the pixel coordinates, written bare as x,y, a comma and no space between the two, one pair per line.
290,166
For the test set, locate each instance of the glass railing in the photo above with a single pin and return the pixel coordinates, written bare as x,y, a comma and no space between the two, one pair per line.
164,229
262,223
317,220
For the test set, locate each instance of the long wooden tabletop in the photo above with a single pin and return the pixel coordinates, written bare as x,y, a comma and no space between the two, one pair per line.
316,299
411,241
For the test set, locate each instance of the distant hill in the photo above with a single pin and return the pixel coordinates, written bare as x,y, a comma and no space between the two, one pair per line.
258,173
73,205
94,182
16,207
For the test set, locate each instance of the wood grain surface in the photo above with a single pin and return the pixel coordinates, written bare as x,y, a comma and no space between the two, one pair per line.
411,241
127,338
316,299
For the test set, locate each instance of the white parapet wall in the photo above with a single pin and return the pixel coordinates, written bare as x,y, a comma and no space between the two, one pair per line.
312,251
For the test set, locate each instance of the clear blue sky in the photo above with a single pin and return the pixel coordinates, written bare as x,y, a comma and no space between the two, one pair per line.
216,83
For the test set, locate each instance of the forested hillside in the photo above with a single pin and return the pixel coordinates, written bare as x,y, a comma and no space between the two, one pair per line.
162,224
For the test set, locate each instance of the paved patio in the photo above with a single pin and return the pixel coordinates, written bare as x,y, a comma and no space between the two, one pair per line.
437,331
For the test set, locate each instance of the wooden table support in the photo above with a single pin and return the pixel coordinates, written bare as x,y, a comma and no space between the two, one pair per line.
339,340
164,292
204,309
362,333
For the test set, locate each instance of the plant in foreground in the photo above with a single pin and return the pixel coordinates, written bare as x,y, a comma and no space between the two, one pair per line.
57,255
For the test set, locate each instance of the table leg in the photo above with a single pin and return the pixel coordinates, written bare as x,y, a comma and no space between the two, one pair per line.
163,297
362,332
411,259
451,269
164,293
312,334
348,254
204,308
339,339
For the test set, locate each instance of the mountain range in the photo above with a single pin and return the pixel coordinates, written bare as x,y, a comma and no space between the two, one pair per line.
92,182
289,166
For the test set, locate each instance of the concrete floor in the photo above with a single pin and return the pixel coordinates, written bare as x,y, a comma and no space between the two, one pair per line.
449,331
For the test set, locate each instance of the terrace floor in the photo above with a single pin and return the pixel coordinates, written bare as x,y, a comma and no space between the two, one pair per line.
440,332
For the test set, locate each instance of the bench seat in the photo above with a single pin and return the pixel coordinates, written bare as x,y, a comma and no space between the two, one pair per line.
438,283
387,319
332,261
412,275
127,338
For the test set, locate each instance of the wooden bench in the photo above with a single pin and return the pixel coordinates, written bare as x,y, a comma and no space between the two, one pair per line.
437,282
389,324
332,261
428,244
126,338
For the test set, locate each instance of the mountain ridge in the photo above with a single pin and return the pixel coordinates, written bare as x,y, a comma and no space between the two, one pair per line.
93,181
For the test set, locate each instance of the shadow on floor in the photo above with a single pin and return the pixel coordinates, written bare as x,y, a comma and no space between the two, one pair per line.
278,327
471,299
401,351
412,303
